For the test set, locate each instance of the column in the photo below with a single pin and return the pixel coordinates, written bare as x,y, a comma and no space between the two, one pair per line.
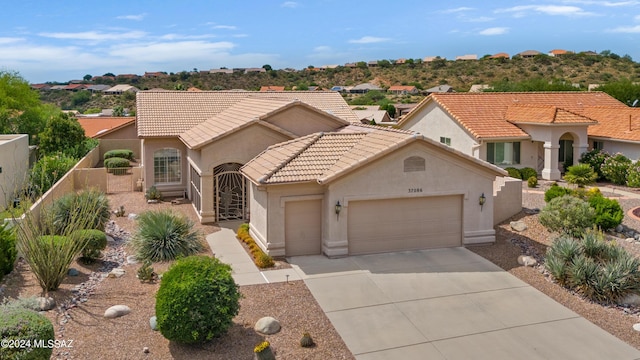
550,171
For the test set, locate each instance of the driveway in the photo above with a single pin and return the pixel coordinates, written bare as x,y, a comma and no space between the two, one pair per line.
447,304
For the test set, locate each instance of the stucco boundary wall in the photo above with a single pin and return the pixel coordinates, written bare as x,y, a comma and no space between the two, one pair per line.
507,198
117,144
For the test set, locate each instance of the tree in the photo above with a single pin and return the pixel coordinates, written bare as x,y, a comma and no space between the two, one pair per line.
64,135
21,111
87,77
109,74
267,67
624,90
119,110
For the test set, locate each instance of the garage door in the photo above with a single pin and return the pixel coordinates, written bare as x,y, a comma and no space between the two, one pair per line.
303,227
377,226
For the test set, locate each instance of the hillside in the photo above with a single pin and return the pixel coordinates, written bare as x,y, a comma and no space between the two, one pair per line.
578,69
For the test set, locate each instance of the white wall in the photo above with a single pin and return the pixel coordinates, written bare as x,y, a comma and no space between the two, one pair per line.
258,201
630,150
14,161
507,196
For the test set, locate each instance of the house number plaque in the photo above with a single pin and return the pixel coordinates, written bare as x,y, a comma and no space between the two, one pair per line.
415,190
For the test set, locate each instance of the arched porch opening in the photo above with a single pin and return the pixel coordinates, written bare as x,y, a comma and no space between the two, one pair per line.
229,192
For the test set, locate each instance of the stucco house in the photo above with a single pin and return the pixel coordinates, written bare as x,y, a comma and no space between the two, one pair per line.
14,165
368,189
529,129
617,131
105,127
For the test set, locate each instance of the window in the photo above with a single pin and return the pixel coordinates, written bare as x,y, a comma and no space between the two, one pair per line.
598,145
445,140
565,153
167,166
414,163
507,153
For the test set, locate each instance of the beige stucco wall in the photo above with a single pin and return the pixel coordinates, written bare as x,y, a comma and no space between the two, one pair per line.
126,132
117,144
629,149
507,197
14,161
433,122
303,121
528,154
258,203
150,146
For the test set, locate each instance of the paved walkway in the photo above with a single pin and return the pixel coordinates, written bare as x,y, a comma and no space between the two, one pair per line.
432,304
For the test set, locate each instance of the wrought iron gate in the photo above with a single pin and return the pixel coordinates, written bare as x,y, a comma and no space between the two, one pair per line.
119,180
229,192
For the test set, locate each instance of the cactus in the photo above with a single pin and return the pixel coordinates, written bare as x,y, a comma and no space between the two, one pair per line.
145,272
120,212
306,340
263,351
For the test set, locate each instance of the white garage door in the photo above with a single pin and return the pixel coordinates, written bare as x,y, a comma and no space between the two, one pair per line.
388,225
303,227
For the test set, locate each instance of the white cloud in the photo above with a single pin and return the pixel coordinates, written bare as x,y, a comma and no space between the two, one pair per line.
95,36
368,40
9,40
322,49
494,31
625,29
186,37
138,17
226,27
456,10
478,19
289,4
603,3
554,10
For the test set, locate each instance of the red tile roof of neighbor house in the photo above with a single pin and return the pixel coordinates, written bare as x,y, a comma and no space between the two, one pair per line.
323,157
615,123
97,126
402,88
499,55
483,115
544,114
272,88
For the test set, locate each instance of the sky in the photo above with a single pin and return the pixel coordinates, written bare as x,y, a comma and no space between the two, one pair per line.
62,40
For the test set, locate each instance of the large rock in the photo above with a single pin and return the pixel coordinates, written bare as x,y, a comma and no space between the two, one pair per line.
267,325
116,311
631,299
526,260
153,323
73,272
46,303
116,273
636,327
518,226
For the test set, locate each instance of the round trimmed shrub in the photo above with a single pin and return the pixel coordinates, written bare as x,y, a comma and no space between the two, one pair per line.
94,242
513,172
119,153
19,324
85,210
609,213
114,165
567,215
527,172
165,236
197,300
556,191
532,181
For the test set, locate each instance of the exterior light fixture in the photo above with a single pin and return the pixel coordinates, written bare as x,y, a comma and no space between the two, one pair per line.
482,200
338,209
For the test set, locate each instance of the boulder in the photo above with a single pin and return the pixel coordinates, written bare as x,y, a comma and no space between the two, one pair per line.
116,311
46,303
631,299
153,323
518,226
116,273
526,260
131,260
267,325
619,228
636,327
73,272
132,216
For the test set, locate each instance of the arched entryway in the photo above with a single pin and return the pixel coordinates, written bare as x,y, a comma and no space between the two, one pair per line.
566,153
229,192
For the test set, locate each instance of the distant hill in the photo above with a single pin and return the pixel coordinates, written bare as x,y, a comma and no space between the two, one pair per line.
581,70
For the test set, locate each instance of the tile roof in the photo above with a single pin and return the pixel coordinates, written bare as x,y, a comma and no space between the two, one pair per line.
95,126
544,114
271,88
245,112
483,114
615,123
170,113
323,157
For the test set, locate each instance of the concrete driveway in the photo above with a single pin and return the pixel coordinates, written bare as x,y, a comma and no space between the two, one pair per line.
447,304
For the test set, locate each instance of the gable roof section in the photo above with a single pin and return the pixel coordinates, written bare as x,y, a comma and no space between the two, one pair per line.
483,114
98,126
170,113
244,113
615,123
544,114
323,157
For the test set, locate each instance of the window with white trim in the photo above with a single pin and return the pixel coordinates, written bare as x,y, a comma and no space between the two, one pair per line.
167,166
445,140
598,145
503,153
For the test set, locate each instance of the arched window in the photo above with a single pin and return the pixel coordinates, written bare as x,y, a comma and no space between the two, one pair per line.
414,163
167,166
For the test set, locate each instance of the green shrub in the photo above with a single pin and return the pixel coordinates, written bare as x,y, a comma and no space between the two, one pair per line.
165,236
595,158
527,172
29,303
556,191
633,176
615,169
581,175
260,258
119,153
17,324
153,193
94,242
115,165
197,300
93,203
532,181
8,252
513,172
568,215
609,214
47,171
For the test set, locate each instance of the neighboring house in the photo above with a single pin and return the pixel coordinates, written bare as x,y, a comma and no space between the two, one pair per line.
337,88
120,89
364,88
221,71
617,131
14,167
501,55
432,58
155,74
479,87
559,52
366,114
366,189
403,90
271,88
372,63
109,127
254,70
58,87
75,87
467,57
529,129
403,109
440,89
40,86
98,88
528,53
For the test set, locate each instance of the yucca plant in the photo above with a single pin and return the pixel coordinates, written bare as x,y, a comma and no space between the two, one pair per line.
165,236
93,201
581,274
594,245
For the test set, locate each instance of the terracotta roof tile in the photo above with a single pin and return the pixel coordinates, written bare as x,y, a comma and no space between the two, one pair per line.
615,123
171,113
483,115
544,114
95,126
